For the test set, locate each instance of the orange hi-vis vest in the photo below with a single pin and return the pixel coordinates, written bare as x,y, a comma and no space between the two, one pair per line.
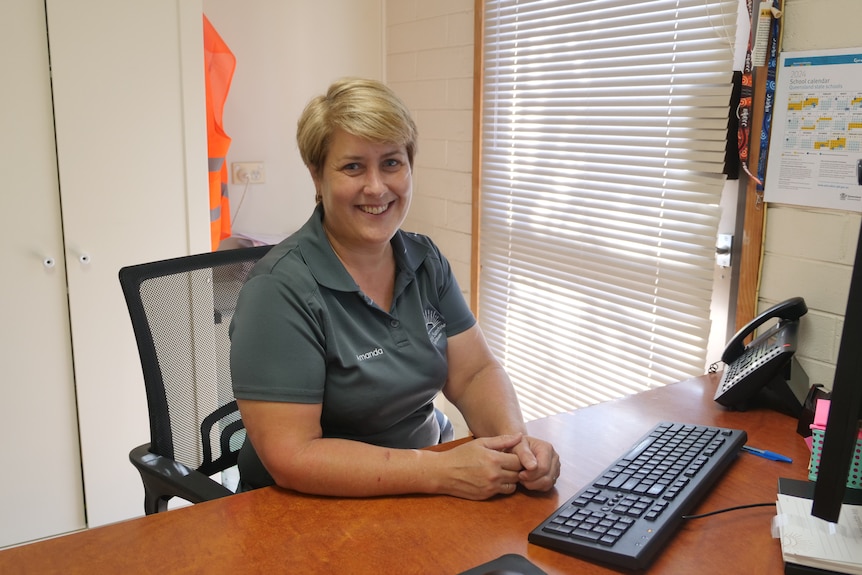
219,67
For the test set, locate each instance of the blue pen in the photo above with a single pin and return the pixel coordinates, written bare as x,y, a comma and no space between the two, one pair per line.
767,454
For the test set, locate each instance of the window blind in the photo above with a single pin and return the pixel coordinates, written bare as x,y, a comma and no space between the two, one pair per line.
604,128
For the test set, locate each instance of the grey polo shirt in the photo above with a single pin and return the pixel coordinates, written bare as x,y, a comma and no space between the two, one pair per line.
303,332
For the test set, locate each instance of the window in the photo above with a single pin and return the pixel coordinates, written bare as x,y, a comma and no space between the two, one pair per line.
604,127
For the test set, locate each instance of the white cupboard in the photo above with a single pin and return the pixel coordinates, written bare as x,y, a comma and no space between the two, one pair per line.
41,491
104,164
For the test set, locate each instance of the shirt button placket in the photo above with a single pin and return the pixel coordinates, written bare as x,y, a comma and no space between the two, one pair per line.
398,334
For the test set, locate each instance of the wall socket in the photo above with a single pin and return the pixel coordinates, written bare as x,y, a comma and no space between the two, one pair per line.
247,173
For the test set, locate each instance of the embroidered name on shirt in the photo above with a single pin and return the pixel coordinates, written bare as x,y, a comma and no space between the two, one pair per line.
369,354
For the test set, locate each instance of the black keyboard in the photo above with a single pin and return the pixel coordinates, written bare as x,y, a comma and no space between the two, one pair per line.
627,514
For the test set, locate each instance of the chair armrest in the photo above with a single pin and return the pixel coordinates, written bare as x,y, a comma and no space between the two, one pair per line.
165,478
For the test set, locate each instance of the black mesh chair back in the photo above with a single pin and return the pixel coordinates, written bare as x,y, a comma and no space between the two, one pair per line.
181,309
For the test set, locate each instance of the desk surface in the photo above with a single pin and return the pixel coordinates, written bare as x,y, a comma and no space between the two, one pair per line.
274,530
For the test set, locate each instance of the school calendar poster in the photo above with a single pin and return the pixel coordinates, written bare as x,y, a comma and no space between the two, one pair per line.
815,152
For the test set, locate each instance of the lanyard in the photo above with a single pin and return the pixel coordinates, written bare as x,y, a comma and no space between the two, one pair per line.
769,103
743,110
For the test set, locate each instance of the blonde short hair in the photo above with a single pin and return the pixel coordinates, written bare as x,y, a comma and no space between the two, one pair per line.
365,108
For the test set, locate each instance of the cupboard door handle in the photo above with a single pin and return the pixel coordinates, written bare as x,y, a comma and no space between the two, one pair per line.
49,262
84,258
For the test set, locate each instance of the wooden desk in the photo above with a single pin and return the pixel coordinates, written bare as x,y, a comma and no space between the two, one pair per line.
276,531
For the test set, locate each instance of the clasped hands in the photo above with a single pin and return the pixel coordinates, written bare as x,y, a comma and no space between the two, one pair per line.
489,466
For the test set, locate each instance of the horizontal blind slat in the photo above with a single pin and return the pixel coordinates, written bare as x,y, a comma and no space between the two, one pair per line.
603,133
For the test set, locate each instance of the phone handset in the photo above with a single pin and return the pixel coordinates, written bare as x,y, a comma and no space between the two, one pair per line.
761,371
788,310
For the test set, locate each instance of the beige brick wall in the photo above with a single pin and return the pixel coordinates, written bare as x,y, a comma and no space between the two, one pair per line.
429,63
809,252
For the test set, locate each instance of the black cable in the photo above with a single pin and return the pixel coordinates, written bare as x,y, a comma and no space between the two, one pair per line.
702,515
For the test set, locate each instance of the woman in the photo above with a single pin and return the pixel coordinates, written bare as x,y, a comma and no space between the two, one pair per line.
347,330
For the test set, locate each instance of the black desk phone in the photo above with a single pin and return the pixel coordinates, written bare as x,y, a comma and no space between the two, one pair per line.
760,370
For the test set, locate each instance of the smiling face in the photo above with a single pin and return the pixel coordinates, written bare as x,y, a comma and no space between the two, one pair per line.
365,188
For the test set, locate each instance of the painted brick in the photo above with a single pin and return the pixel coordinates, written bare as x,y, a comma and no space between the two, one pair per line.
824,285
446,124
432,153
402,11
827,238
428,34
401,67
459,217
429,210
459,156
454,245
459,94
430,65
460,29
819,336
446,62
447,184
432,8
422,94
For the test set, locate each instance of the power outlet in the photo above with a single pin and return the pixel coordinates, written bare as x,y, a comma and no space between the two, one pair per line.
247,173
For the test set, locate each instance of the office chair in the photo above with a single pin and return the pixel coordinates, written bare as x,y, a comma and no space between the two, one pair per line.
181,309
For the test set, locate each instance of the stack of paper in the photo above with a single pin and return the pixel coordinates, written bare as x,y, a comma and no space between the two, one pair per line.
813,542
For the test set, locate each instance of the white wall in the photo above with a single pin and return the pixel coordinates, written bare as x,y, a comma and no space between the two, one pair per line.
809,252
287,53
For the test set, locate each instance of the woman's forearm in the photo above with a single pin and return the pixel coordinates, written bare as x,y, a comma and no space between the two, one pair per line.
475,470
348,468
489,404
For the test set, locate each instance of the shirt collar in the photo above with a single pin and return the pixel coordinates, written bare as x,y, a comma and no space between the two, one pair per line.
328,270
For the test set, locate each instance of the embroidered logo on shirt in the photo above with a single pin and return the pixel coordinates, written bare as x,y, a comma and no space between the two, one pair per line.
434,324
369,354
